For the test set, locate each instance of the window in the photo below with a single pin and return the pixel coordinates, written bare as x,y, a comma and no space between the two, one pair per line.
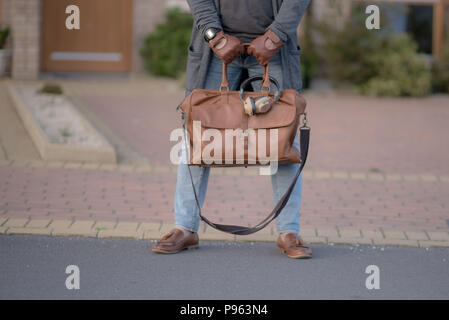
425,20
417,20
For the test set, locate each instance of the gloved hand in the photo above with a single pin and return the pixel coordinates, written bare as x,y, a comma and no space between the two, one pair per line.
264,47
226,47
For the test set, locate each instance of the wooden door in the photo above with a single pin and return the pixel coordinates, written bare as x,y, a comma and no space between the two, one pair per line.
103,42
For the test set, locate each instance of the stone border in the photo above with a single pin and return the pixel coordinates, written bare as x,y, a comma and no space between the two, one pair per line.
59,152
308,174
154,231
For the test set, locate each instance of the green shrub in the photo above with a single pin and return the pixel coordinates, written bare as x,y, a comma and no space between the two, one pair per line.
345,50
51,88
440,72
165,50
376,62
379,87
398,69
4,33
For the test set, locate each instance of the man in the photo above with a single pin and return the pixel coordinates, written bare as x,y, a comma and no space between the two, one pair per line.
220,28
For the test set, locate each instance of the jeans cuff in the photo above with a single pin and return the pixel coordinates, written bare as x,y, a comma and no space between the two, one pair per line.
285,231
186,228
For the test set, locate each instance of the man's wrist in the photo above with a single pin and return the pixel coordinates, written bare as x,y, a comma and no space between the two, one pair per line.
210,33
274,28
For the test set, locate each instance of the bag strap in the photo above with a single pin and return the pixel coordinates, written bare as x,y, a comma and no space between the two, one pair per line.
240,230
265,79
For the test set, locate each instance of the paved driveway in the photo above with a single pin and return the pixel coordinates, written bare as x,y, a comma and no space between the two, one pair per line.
377,171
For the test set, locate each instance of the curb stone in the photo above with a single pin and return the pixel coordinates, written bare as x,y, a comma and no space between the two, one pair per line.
308,175
154,231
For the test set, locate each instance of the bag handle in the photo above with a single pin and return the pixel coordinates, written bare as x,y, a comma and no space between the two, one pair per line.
266,76
255,78
240,230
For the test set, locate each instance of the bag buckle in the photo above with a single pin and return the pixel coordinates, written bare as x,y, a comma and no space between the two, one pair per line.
183,115
304,122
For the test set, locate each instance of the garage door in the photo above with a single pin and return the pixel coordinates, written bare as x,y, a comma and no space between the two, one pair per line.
103,42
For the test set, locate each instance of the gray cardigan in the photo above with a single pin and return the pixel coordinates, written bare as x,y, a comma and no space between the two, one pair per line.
287,13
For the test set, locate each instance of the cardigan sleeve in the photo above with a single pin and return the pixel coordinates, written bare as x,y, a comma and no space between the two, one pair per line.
288,17
205,14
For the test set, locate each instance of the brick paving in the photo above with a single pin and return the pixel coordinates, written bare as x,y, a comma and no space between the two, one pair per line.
378,173
333,209
349,133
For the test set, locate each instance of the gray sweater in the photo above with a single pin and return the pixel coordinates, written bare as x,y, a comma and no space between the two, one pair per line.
246,19
287,15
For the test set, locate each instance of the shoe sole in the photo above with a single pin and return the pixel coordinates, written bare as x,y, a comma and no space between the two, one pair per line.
303,256
195,246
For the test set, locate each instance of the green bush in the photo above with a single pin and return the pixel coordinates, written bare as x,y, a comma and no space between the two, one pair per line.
398,69
440,72
165,50
4,33
345,50
377,63
51,88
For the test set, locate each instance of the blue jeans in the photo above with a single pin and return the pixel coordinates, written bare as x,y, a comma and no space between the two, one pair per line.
186,210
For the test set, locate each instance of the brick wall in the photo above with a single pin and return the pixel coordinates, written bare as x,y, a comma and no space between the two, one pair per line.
24,18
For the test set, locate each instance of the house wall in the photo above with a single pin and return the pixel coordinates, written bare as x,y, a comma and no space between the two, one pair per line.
24,18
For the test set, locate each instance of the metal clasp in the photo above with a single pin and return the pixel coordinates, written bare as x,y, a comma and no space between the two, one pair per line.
304,121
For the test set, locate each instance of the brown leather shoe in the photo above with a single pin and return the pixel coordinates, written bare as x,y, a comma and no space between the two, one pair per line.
293,246
176,240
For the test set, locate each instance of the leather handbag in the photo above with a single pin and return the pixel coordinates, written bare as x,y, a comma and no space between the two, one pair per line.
220,131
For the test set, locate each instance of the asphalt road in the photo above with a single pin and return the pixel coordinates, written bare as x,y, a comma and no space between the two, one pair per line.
35,267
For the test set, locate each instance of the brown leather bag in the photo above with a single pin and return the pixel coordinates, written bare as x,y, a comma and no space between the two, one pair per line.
222,111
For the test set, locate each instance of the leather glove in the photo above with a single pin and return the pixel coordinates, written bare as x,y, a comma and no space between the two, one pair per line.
226,47
264,47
